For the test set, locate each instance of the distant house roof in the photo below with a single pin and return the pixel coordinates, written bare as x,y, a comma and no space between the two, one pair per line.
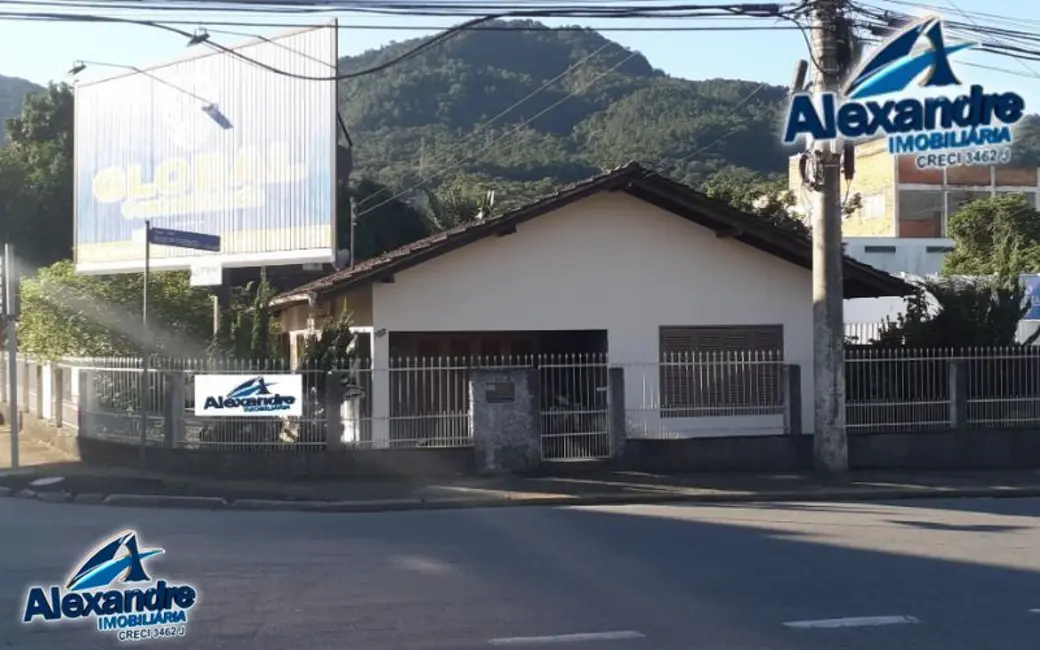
861,280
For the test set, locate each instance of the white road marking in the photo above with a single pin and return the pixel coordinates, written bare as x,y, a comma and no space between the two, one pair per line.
1035,611
569,638
854,621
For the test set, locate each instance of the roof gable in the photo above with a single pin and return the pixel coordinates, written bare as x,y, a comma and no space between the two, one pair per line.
681,200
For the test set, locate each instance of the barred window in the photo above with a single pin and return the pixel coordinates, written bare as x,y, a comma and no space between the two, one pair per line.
723,370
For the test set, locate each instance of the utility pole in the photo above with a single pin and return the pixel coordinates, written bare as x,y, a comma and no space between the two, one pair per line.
9,313
830,444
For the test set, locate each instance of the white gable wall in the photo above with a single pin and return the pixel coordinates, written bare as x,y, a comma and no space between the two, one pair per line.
608,262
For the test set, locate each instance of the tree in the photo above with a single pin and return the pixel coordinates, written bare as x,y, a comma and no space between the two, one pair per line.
1026,148
959,312
246,330
998,235
64,314
765,197
384,223
450,207
36,179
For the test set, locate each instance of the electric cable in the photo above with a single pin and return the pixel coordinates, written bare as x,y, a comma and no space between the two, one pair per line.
493,143
483,126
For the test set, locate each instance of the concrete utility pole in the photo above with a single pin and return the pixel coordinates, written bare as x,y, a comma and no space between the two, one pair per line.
830,444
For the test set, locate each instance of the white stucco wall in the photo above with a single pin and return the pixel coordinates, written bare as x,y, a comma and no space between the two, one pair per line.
910,255
608,262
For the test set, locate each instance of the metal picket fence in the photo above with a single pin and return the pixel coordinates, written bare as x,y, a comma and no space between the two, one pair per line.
425,402
912,389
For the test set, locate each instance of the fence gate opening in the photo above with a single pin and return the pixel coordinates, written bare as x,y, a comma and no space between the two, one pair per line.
574,409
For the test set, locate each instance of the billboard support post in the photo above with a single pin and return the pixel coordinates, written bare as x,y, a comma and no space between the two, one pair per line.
146,347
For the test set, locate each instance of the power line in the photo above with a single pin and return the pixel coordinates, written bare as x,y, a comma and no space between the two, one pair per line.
512,132
731,131
1021,62
483,127
739,10
207,23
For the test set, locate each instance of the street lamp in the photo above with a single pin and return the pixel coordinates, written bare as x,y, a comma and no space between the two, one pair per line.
211,109
200,36
214,113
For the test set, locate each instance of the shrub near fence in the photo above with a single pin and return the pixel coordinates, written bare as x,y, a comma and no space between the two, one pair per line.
891,389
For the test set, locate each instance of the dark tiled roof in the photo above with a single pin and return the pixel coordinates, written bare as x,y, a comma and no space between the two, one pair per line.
861,280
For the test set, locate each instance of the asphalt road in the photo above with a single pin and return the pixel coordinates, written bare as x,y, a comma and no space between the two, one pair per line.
954,575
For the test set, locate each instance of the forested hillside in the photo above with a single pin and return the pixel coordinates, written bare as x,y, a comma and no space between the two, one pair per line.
534,108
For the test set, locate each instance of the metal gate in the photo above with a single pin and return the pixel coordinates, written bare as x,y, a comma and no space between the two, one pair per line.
574,409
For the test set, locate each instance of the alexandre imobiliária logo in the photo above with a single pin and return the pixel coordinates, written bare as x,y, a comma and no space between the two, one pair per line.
949,129
261,395
112,587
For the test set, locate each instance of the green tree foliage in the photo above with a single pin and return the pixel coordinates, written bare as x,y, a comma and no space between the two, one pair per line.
335,345
451,109
997,235
959,312
246,330
384,222
1026,147
764,196
36,178
450,207
64,314
13,92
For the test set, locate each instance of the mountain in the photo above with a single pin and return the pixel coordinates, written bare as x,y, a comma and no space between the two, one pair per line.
425,117
12,95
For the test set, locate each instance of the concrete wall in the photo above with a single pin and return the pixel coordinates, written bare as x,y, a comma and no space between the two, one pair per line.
941,450
608,262
396,463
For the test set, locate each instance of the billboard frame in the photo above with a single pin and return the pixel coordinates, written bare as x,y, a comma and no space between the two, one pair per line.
234,260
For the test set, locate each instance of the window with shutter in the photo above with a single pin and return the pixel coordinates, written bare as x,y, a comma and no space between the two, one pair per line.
721,370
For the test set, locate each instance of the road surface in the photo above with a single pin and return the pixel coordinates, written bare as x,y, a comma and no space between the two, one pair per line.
935,575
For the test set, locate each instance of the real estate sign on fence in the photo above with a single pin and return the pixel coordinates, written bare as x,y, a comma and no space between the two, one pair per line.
249,396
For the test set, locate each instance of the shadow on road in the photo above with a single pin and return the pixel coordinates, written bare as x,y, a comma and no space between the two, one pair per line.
688,577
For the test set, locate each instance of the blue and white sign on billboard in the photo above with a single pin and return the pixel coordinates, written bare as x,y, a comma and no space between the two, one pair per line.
215,145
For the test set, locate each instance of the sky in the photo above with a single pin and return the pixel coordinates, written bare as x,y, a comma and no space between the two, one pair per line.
46,51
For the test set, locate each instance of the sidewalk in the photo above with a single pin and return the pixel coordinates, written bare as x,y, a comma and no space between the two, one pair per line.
127,486
31,453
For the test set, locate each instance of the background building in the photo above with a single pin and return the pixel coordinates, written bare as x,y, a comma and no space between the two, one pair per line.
901,223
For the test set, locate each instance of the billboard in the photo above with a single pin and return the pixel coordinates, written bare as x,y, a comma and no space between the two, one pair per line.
216,145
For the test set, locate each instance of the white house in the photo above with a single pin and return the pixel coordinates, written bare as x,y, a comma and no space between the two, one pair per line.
628,263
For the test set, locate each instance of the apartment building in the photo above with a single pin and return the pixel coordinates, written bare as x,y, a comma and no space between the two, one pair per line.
900,224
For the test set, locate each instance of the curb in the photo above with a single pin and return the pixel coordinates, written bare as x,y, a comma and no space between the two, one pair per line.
466,503
163,501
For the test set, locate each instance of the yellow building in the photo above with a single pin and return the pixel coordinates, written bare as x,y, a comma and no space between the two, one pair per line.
899,200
